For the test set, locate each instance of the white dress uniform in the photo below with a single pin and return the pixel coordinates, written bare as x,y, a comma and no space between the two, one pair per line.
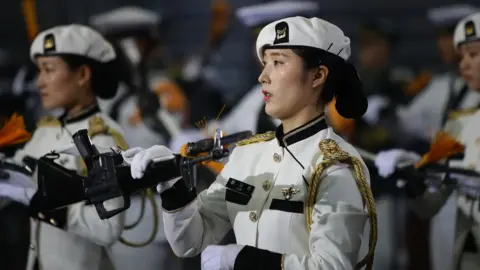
73,237
291,199
156,255
426,115
464,126
267,183
249,113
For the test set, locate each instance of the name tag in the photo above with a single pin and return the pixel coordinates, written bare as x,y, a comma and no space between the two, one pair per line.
240,187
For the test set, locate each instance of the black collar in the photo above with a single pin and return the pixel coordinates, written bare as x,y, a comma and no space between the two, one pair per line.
84,114
301,133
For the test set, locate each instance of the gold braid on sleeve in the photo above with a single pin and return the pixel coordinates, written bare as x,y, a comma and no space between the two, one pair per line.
333,154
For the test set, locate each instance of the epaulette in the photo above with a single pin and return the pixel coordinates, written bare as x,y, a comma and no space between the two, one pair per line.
49,121
96,126
460,113
262,137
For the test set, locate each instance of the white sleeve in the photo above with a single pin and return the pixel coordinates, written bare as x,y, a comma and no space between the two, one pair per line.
338,225
194,222
424,114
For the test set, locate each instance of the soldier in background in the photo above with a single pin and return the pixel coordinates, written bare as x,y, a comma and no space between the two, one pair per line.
150,107
136,33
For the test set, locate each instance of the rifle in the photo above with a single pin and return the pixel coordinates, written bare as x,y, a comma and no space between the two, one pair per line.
109,175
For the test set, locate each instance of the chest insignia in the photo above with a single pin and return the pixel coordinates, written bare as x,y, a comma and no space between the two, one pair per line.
289,192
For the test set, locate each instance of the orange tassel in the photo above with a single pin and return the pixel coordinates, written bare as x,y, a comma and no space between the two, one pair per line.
13,131
443,146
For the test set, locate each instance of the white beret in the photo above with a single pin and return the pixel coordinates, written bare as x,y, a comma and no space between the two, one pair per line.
72,39
467,30
300,31
125,19
259,14
449,15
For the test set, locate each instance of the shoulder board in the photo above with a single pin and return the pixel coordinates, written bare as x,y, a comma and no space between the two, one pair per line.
262,137
332,151
460,113
96,126
50,121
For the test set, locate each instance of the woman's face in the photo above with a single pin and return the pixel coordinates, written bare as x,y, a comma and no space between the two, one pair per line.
59,86
470,64
287,86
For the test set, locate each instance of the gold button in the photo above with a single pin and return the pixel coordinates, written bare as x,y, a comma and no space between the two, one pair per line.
471,166
41,216
277,158
266,185
253,216
53,221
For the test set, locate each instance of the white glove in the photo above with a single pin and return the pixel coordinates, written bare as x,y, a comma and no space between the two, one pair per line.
18,187
129,154
387,161
139,158
376,103
220,257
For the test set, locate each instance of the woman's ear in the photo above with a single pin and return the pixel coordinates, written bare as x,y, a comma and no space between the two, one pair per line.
84,75
320,77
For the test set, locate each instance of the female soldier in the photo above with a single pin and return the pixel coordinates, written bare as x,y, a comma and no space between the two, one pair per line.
289,195
76,65
464,126
248,113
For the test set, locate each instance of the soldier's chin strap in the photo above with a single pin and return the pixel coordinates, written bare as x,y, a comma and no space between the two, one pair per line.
109,175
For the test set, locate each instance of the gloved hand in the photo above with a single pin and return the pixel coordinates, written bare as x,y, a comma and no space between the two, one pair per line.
217,257
376,104
140,158
17,187
387,161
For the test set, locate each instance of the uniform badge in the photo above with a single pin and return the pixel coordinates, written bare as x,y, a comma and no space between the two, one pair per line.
470,29
281,33
49,43
289,192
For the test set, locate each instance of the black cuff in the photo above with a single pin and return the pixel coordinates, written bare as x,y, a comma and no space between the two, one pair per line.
251,258
57,218
177,196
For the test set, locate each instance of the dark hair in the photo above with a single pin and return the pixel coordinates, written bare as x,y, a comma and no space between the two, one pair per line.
342,81
105,76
